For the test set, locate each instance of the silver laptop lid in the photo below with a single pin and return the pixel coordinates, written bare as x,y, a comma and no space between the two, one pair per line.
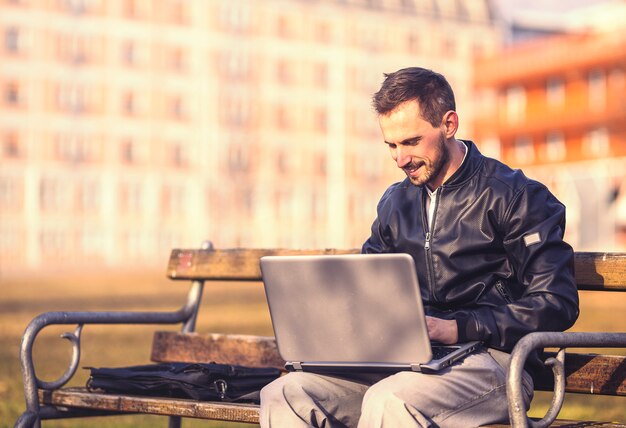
354,308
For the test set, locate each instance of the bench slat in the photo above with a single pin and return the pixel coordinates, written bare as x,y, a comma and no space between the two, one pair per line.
231,264
594,271
233,412
81,398
255,351
587,373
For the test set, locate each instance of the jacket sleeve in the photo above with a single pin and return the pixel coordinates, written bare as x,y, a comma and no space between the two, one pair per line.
532,230
378,242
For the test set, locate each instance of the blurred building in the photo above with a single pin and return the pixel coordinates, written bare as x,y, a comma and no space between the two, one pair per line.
556,108
128,127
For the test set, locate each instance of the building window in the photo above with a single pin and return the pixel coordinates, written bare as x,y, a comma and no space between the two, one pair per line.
284,72
129,8
235,16
555,146
74,48
597,142
53,194
73,148
516,104
234,65
89,196
176,59
131,197
555,91
283,27
178,155
12,94
597,89
10,146
323,32
128,104
129,53
321,75
523,150
238,158
321,121
176,107
617,78
412,43
10,194
12,40
172,199
78,7
54,242
128,153
318,206
72,98
236,111
282,118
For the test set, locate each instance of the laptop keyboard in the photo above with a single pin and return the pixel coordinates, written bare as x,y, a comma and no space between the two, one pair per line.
442,351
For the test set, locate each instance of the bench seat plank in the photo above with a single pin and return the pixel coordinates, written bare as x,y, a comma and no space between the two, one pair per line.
81,398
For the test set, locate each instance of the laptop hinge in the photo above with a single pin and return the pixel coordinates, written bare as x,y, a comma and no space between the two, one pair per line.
293,366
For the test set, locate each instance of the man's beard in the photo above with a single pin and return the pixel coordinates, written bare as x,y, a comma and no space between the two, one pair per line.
432,169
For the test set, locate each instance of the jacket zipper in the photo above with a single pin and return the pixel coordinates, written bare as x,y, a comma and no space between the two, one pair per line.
503,292
427,246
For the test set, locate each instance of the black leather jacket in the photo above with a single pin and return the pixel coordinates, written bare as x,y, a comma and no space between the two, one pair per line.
495,260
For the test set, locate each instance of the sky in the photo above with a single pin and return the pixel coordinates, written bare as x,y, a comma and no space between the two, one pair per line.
509,7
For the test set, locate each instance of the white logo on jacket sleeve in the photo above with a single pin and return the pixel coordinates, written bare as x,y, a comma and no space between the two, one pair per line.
532,239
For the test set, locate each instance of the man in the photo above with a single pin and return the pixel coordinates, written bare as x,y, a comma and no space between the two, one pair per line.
491,261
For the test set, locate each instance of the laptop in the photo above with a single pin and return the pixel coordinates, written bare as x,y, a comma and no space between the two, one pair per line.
356,312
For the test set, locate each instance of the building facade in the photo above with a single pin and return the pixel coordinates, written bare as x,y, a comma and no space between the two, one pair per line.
129,127
556,108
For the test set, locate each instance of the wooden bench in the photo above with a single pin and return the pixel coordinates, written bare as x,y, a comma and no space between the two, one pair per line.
583,373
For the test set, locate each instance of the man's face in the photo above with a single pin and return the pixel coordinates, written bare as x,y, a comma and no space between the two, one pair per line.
418,148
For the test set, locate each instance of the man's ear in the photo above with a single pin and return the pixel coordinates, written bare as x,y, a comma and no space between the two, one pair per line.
450,123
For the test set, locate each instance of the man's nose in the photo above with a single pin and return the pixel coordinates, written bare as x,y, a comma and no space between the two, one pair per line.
402,158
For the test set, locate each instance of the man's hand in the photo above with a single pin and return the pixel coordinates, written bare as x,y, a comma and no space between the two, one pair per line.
443,331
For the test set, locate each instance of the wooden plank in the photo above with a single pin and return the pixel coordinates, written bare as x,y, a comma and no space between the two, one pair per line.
233,412
255,351
81,398
232,264
571,424
601,271
589,374
594,271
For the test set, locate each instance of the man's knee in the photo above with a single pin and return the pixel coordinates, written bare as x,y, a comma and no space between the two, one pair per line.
385,403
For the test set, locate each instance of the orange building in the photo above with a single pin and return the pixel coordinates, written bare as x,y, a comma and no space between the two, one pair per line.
556,107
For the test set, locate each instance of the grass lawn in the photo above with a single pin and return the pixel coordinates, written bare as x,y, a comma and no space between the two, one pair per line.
227,307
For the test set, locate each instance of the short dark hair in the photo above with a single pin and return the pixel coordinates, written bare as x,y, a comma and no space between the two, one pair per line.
430,89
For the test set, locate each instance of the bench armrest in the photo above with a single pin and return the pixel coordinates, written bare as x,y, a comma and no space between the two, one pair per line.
186,316
540,340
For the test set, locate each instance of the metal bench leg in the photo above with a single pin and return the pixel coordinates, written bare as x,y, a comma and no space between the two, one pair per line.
175,422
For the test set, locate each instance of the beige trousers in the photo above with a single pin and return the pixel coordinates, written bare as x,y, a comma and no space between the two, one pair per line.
470,393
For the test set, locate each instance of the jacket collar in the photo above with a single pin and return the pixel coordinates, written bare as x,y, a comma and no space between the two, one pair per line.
468,168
